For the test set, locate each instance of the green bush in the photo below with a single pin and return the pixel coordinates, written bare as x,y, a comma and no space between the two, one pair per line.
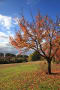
9,55
21,59
22,56
34,56
18,56
12,59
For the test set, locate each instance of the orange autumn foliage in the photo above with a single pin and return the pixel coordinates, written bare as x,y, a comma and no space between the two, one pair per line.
39,35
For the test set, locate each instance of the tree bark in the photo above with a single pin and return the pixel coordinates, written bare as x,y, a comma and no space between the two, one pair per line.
49,66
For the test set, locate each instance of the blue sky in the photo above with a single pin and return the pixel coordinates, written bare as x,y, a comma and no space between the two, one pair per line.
15,7
9,9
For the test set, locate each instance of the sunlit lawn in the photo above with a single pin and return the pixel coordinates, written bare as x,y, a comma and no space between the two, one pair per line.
29,76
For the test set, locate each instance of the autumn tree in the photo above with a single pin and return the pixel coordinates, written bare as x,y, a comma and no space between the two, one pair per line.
39,35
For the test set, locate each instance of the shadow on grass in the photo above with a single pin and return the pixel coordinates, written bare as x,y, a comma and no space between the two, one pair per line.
58,73
53,73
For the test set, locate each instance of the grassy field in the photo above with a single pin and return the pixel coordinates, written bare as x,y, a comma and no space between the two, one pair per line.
29,76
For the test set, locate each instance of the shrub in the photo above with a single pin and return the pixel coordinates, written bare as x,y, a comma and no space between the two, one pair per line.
12,59
21,58
1,54
34,56
9,54
18,56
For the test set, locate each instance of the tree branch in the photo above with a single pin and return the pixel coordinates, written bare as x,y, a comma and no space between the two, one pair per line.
42,51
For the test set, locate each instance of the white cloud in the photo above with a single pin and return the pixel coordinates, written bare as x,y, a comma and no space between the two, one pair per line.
5,46
6,24
2,34
3,39
5,21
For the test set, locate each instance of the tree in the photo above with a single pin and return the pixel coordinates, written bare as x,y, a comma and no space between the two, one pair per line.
1,54
39,35
9,55
34,56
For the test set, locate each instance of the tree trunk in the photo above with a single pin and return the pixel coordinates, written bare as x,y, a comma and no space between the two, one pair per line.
49,67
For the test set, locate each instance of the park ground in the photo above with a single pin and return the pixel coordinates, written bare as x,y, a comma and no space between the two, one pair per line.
29,76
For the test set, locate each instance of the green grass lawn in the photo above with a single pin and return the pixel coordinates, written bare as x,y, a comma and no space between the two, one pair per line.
29,76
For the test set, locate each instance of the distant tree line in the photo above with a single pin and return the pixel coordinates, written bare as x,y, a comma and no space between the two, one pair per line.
12,58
